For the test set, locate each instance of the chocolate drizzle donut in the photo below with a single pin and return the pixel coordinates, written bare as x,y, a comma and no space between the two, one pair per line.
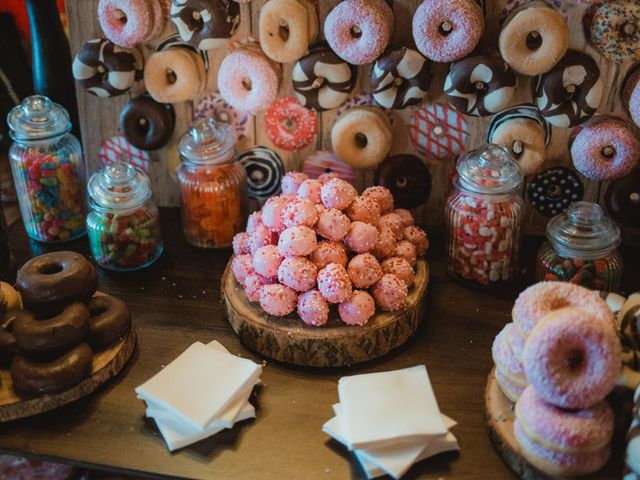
205,24
105,69
322,80
570,92
108,322
552,191
147,124
480,85
622,199
264,169
400,78
408,179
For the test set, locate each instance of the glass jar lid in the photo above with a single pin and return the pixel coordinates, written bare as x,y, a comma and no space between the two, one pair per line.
37,118
490,170
207,141
583,231
119,186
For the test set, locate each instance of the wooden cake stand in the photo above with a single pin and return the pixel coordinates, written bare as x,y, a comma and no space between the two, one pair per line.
106,365
335,344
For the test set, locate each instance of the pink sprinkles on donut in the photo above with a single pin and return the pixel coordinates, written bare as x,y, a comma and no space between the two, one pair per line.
289,125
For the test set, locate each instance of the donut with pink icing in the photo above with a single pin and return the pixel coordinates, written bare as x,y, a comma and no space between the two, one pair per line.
447,30
298,273
297,242
241,244
129,22
607,148
516,342
400,268
292,180
382,196
572,358
310,190
511,391
362,237
364,270
333,224
267,260
505,360
364,209
253,284
358,310
386,243
313,308
631,94
337,194
405,249
278,300
241,267
418,237
329,252
299,212
289,125
325,161
334,283
390,293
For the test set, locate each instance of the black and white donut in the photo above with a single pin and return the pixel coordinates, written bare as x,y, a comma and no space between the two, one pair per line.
400,78
322,80
552,191
105,69
570,93
264,171
480,85
205,24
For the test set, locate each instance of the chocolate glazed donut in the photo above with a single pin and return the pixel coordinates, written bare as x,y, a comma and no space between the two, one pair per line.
147,124
36,335
38,378
55,279
8,345
109,321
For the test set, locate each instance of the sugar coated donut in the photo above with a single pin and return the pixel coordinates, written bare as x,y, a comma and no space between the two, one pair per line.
297,242
538,300
329,252
622,199
313,308
358,309
147,124
553,190
287,27
615,30
289,125
364,270
129,22
298,273
390,293
213,106
447,30
322,80
105,69
607,148
511,391
533,38
572,358
324,161
248,80
334,283
358,31
175,75
480,85
438,131
264,169
399,267
205,24
507,363
333,224
400,78
362,137
278,300
408,179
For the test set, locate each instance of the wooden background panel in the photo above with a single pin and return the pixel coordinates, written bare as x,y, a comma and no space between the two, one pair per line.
99,116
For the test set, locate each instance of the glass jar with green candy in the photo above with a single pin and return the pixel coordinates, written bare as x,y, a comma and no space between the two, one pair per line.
581,249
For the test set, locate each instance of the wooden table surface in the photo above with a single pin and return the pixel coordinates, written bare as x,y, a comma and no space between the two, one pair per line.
177,302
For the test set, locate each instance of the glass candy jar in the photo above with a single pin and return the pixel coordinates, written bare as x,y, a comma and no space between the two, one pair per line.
484,218
582,249
123,223
213,185
48,170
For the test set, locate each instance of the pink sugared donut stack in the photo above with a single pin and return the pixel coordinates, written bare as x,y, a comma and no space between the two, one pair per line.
319,244
557,362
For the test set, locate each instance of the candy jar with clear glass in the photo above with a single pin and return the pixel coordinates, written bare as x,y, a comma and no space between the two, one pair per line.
484,216
48,170
213,185
581,249
123,222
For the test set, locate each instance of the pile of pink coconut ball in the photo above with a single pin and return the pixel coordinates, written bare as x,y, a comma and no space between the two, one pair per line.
319,243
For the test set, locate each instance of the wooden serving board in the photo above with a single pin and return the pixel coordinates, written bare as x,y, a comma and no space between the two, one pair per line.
289,340
106,365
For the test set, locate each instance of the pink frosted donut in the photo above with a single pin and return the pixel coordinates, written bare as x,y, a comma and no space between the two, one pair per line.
605,149
338,194
299,212
334,283
390,293
278,300
129,22
394,222
400,268
364,270
248,81
405,249
382,196
364,209
259,237
569,431
333,225
313,308
329,252
572,358
267,260
362,237
505,360
310,190
358,30
558,464
386,244
241,243
405,215
297,242
298,273
358,309
253,221
447,30
325,177
242,266
292,180
516,342
511,391
634,104
418,237
253,284
272,213
538,300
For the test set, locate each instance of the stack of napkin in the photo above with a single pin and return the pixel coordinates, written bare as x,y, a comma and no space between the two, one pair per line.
390,420
200,393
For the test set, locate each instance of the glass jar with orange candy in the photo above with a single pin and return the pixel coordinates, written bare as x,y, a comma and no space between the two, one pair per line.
213,185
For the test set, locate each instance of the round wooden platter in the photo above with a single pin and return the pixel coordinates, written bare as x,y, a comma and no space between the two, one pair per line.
106,365
335,344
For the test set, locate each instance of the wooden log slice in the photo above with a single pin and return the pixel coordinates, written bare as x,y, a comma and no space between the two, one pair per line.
106,365
335,344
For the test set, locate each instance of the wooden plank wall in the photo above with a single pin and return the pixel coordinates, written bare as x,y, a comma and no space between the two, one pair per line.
99,116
